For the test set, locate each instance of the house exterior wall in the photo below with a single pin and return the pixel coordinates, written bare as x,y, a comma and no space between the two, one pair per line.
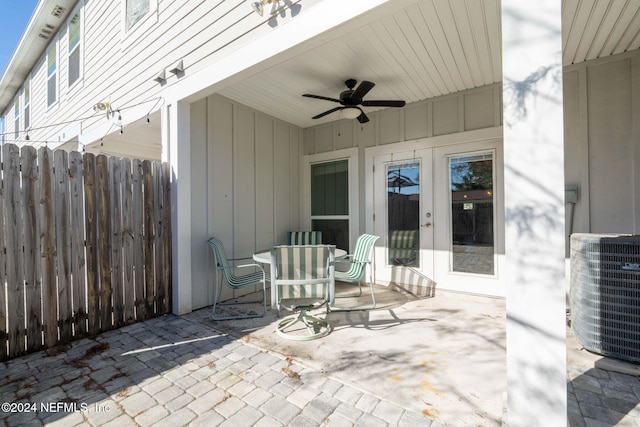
119,66
602,144
244,186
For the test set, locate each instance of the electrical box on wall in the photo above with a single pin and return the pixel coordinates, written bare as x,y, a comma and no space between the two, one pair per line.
571,194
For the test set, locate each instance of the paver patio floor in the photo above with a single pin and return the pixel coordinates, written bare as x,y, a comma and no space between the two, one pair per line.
415,361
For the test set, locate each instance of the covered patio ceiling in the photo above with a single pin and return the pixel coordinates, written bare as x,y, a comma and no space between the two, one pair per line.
424,49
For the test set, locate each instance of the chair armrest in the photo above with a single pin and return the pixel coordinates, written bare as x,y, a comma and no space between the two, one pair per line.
229,267
239,259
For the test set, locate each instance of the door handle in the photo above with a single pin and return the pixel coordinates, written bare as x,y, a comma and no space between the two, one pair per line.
426,225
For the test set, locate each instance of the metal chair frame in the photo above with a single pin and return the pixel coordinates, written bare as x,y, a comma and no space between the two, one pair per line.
226,272
361,258
304,266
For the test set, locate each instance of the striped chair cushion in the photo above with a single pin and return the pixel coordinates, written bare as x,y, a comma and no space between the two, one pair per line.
302,263
304,238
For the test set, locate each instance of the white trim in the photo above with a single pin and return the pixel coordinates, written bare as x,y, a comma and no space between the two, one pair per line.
75,86
349,154
53,106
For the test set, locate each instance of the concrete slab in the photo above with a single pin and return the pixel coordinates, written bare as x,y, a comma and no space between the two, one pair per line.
443,357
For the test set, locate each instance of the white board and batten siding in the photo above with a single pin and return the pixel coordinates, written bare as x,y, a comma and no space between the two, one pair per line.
462,111
244,184
602,143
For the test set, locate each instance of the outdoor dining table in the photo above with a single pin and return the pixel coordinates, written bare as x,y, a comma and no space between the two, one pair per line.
264,257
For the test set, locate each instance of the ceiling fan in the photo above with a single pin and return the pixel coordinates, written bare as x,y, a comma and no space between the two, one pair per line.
350,100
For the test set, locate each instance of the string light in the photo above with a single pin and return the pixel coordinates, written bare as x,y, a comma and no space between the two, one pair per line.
81,119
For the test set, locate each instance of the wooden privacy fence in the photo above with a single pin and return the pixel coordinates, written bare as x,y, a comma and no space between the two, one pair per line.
85,245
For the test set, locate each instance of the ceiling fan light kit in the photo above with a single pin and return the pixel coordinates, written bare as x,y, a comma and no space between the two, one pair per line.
350,100
350,113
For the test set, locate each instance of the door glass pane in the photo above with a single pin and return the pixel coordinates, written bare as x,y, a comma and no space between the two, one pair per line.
403,213
472,200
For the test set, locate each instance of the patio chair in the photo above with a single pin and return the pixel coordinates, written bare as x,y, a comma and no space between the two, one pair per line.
304,238
303,277
225,273
361,258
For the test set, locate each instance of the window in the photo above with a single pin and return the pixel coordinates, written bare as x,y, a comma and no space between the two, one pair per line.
135,11
472,212
52,74
27,104
75,47
2,131
330,202
16,116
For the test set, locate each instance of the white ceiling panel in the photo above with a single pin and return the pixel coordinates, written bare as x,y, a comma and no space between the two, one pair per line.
428,49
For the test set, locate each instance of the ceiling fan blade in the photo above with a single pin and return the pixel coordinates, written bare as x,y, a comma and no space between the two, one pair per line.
362,118
308,95
327,112
382,103
363,89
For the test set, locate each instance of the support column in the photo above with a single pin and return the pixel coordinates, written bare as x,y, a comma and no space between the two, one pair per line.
534,204
176,149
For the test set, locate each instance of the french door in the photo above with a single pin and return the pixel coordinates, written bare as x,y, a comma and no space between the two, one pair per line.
403,218
439,213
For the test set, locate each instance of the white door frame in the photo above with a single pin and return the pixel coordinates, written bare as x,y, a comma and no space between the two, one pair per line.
443,146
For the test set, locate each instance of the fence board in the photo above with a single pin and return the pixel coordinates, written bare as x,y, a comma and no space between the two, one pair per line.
116,241
91,246
63,244
148,236
104,242
158,202
3,301
138,240
166,222
78,271
128,264
84,245
32,285
48,248
14,255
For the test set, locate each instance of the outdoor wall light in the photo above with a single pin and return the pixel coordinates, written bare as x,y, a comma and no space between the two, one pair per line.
177,68
258,6
350,113
161,77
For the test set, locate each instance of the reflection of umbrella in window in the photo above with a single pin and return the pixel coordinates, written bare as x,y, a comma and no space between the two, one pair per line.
395,179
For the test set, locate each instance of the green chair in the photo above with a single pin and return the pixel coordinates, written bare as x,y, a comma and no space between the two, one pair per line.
303,277
304,238
225,273
358,261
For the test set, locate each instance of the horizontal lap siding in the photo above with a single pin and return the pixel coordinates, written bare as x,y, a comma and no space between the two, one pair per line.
86,245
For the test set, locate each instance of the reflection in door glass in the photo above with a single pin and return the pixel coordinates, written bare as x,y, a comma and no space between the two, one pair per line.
472,198
403,214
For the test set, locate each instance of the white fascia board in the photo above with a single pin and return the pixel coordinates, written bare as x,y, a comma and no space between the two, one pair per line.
293,38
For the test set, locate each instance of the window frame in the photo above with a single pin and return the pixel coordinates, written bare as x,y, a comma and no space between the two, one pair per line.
351,155
16,117
56,74
78,47
140,27
26,103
